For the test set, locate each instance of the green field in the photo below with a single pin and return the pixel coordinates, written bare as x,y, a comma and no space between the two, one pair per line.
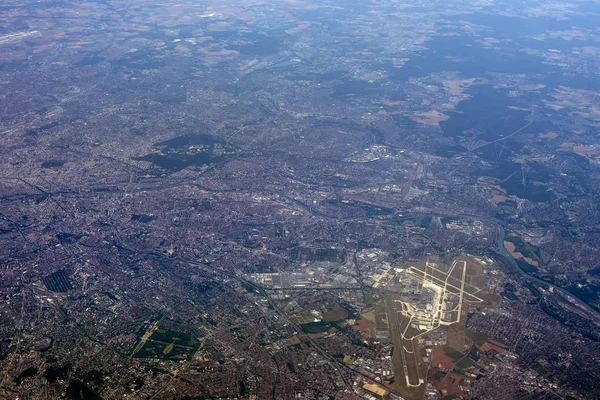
178,338
168,344
421,221
420,239
454,354
465,363
476,337
450,397
315,327
529,250
539,369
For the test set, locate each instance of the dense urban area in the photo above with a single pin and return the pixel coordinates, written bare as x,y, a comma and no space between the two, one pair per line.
333,199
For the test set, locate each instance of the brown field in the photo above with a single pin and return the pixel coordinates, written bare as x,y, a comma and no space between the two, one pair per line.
451,386
516,255
337,313
390,103
578,149
499,199
457,87
585,151
365,325
432,117
493,345
549,135
294,340
375,388
579,102
439,359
